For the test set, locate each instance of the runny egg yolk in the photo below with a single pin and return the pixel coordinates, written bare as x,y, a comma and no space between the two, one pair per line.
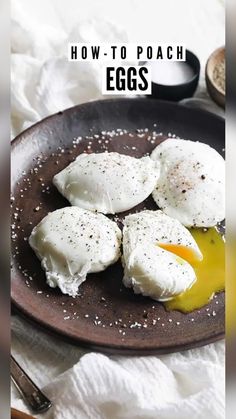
210,272
182,251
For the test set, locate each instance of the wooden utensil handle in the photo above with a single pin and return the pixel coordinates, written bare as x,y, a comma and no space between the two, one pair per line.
16,414
32,395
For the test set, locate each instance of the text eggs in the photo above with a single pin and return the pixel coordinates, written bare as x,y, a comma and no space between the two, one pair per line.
156,254
107,182
191,185
72,242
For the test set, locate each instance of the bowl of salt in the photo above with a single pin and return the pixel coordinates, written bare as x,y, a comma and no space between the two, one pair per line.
175,80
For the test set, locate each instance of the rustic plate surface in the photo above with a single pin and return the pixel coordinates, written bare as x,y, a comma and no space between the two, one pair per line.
105,316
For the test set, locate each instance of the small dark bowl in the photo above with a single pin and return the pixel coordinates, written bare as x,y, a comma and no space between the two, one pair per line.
179,91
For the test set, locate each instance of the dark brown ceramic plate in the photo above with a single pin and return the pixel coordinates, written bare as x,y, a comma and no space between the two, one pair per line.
106,316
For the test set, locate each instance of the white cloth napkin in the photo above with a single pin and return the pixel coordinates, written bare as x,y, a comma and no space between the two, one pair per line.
85,385
179,386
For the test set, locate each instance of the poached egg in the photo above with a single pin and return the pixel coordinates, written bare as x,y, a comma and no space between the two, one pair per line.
72,242
191,185
157,252
107,182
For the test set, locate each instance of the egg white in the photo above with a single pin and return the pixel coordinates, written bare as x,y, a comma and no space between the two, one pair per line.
72,242
150,269
107,182
191,185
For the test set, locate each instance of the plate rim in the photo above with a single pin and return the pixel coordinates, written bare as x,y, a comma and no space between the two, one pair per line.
67,110
113,349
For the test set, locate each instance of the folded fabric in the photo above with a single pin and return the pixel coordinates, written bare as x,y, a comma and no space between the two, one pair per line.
95,386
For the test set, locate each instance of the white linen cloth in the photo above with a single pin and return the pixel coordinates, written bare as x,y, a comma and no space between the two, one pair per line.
82,384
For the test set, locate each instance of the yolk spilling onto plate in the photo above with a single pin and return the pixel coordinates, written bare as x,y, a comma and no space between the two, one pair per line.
210,272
